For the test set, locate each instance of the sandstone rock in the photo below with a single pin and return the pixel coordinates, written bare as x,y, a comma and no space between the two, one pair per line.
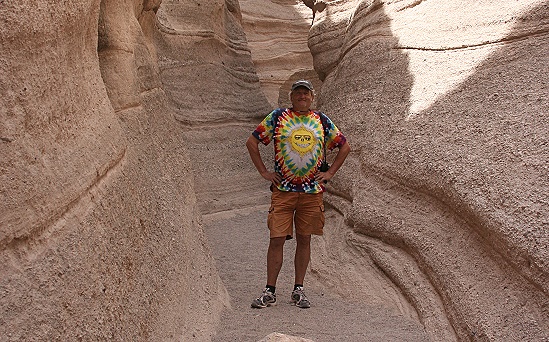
208,74
99,229
444,104
205,64
277,35
122,121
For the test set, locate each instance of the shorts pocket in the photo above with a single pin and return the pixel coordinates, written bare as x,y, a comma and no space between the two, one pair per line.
270,217
322,217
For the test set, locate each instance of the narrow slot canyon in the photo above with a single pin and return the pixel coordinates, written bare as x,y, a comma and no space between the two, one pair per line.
130,209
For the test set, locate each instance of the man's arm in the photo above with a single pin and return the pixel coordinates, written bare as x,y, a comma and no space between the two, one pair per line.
253,148
339,159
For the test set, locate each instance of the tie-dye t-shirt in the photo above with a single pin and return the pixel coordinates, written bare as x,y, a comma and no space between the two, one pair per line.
298,144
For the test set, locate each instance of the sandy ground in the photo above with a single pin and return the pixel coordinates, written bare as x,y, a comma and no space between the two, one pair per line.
239,242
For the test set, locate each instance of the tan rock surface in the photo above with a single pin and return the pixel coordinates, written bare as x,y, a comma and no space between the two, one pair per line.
278,337
277,36
445,104
207,72
100,235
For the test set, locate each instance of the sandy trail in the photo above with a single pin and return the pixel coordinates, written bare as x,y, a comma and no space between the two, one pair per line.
239,241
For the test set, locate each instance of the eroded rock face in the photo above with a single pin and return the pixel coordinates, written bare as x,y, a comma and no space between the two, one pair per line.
100,235
445,105
206,65
277,36
208,74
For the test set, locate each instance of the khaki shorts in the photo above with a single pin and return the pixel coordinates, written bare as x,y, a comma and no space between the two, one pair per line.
307,210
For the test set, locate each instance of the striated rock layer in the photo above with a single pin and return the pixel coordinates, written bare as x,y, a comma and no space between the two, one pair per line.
277,32
445,104
208,74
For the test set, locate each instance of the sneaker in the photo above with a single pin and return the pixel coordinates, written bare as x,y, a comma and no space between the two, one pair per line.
299,298
266,299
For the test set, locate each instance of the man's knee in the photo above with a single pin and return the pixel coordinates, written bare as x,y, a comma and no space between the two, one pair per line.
277,242
303,239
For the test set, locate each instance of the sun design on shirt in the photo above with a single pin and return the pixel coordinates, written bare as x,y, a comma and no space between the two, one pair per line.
299,146
302,141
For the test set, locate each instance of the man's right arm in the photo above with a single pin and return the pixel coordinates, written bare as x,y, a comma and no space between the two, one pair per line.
253,148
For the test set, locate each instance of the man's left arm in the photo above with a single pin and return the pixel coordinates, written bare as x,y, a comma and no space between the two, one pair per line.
339,159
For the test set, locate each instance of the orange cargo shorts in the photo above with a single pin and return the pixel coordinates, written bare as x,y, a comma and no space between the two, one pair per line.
287,207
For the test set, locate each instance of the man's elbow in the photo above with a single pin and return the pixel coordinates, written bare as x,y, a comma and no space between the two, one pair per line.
346,147
252,142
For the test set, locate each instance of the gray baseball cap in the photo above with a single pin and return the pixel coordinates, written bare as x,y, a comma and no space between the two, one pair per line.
302,83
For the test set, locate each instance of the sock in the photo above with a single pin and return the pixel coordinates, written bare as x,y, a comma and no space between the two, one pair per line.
297,285
271,288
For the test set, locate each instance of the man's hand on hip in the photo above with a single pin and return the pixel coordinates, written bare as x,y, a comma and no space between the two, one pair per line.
272,177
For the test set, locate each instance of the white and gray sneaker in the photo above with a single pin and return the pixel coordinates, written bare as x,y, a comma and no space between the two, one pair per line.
266,299
299,298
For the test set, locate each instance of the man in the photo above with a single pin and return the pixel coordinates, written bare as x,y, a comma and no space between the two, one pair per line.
300,138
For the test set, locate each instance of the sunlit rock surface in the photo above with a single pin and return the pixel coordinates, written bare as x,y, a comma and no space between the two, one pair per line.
445,105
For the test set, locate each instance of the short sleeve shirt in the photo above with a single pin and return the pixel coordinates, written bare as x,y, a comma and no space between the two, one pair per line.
299,145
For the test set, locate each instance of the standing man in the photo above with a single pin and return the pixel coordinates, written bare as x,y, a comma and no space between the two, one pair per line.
300,137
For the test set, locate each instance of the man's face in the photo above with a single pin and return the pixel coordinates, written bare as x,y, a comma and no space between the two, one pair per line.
301,98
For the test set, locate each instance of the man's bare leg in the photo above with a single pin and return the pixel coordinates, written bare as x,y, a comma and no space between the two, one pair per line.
302,257
275,256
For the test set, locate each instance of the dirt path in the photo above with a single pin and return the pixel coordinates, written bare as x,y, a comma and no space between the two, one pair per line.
239,241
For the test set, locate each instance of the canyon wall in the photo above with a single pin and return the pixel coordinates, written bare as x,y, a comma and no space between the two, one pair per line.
215,95
277,32
446,191
100,234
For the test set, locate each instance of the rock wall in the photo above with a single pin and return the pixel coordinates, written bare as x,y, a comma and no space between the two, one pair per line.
208,74
446,191
100,234
277,32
